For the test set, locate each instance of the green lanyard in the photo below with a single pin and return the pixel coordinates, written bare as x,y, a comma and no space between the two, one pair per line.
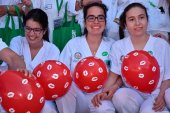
59,5
152,4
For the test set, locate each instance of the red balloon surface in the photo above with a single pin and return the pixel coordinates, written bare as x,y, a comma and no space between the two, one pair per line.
141,71
54,77
90,74
20,94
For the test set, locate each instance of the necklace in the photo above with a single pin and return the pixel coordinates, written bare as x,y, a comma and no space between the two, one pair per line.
94,53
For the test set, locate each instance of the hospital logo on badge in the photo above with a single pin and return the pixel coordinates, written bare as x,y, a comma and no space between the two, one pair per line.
77,55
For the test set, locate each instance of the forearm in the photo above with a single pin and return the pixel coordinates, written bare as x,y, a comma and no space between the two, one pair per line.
10,9
6,55
12,59
3,10
165,85
112,80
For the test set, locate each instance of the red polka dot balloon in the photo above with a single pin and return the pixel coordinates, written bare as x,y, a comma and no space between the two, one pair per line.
20,94
90,74
54,77
141,71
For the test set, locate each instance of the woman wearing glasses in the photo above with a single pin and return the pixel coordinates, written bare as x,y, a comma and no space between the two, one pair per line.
35,47
112,28
93,43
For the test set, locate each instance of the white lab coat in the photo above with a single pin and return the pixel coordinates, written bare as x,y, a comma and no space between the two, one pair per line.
76,100
2,44
48,52
135,99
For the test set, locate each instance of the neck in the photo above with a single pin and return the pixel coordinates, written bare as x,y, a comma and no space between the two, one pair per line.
93,42
139,39
34,49
94,39
36,45
139,42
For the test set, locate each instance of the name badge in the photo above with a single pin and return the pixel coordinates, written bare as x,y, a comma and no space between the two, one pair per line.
58,22
48,6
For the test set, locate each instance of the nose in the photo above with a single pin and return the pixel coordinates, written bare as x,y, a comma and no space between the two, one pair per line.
31,32
137,22
96,20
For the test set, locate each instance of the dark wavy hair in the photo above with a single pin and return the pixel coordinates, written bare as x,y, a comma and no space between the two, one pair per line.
86,8
41,17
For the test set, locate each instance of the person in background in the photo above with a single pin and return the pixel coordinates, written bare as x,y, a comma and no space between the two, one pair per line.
135,20
55,11
35,47
92,43
7,7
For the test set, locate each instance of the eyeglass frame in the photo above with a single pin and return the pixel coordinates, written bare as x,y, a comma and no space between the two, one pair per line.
29,29
96,17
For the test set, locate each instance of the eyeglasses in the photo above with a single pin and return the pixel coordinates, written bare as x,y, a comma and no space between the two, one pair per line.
92,18
35,30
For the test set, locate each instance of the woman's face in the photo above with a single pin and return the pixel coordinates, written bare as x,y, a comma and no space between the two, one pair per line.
136,22
33,32
95,21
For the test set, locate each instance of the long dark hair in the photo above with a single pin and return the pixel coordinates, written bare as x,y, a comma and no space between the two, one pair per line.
41,17
123,17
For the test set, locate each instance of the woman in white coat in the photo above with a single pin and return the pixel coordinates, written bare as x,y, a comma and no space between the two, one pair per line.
158,12
35,47
128,99
93,43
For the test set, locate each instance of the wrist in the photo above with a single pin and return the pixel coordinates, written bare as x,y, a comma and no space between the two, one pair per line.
30,6
7,9
26,8
116,86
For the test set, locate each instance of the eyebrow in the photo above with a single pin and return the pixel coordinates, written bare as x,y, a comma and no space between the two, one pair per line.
134,16
33,28
96,15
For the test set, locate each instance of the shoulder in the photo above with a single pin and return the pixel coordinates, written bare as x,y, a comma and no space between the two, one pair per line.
159,41
121,42
51,47
108,40
76,40
18,40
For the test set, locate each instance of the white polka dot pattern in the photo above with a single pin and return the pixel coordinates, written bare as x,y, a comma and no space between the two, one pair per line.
141,71
90,74
54,77
17,90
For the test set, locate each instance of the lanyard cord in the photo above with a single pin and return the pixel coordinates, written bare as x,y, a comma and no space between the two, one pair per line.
59,5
